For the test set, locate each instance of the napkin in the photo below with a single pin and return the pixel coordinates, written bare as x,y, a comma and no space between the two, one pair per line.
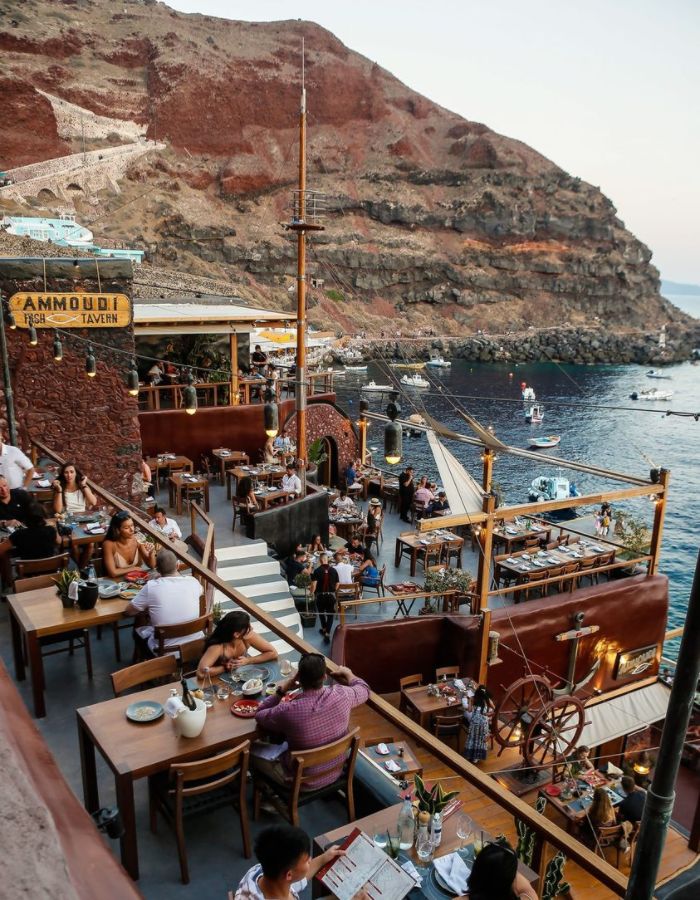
44,483
459,684
95,529
173,706
392,766
383,749
412,871
453,871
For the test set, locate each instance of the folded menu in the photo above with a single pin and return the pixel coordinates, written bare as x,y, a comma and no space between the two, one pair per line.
365,867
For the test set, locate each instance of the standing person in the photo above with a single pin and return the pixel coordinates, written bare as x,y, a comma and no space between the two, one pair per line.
258,358
323,584
291,481
406,490
15,466
479,726
71,491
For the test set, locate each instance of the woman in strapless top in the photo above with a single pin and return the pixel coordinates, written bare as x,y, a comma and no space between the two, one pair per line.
121,551
227,646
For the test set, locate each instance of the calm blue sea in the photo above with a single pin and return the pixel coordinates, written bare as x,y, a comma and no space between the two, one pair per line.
602,427
689,303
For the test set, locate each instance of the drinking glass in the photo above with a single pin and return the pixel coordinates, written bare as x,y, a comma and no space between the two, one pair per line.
380,839
464,829
424,847
286,667
223,692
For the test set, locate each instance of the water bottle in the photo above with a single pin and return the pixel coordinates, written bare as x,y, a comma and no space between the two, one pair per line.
436,829
406,825
91,574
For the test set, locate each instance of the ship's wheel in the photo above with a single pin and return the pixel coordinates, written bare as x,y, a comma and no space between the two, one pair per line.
523,701
554,732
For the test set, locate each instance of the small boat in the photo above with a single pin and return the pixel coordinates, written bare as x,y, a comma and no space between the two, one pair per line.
547,487
651,394
415,365
415,419
355,368
656,373
378,388
415,380
438,362
534,414
543,443
527,393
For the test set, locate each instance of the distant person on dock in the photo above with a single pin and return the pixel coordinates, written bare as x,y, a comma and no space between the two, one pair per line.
407,488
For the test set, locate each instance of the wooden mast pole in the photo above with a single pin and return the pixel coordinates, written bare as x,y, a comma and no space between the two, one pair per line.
658,527
300,215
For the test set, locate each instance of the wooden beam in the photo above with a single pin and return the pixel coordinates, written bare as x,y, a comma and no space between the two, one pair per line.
485,541
484,648
233,344
658,526
487,474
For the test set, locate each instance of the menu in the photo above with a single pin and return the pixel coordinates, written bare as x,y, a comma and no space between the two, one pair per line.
365,867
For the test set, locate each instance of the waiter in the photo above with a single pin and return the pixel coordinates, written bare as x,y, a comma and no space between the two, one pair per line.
407,489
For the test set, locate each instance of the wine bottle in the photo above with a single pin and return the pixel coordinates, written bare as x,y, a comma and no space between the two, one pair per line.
187,698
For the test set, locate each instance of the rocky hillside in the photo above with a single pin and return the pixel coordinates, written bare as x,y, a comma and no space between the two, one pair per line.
433,217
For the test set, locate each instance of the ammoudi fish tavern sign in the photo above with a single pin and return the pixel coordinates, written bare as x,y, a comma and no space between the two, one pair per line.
73,310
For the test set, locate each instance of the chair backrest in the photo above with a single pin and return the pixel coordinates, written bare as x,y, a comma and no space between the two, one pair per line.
447,724
41,566
449,671
531,542
342,753
162,633
537,576
453,546
191,652
608,835
410,681
134,676
348,591
589,562
563,539
432,551
228,765
33,583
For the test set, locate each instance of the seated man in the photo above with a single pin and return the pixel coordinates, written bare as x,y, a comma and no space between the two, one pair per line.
356,547
343,568
168,600
291,481
318,715
296,565
39,539
166,526
440,505
284,865
343,503
14,504
350,475
632,807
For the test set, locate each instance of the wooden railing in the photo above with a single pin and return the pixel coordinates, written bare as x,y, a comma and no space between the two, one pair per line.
600,870
343,605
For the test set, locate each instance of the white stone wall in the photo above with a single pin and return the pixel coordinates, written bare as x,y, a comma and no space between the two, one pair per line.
73,121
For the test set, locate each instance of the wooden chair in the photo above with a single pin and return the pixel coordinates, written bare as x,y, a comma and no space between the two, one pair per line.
391,496
451,727
605,559
529,582
529,543
586,567
378,588
33,583
452,550
563,539
568,584
417,510
554,573
348,592
609,836
448,671
404,549
41,566
431,556
190,654
500,574
143,672
407,682
288,797
175,796
162,633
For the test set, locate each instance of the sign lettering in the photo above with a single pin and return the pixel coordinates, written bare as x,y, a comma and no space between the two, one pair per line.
634,662
76,310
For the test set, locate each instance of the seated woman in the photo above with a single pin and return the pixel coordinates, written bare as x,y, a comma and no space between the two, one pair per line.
495,876
582,759
368,573
316,545
71,492
121,551
601,813
38,540
227,646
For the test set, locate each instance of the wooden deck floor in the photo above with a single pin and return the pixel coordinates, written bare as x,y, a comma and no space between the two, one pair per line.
676,855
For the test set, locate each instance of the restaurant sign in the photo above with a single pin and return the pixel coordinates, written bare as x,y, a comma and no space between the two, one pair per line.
76,310
634,662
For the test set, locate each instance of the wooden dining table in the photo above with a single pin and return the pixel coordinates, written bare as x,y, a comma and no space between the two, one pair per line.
138,750
265,474
520,565
38,614
228,458
179,483
511,534
575,808
166,463
426,705
267,497
417,541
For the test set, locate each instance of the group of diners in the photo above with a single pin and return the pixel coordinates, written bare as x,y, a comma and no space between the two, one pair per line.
423,498
248,501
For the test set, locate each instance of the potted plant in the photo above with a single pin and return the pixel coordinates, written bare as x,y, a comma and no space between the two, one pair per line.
634,536
308,614
217,612
63,583
431,801
449,579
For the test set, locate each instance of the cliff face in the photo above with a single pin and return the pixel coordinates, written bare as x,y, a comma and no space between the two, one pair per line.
439,219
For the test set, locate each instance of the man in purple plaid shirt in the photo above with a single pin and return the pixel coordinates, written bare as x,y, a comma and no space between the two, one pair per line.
318,715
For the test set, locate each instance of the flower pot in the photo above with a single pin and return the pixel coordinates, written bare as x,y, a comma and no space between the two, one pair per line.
308,618
66,601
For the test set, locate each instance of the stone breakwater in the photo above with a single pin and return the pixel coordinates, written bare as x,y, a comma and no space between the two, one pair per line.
571,345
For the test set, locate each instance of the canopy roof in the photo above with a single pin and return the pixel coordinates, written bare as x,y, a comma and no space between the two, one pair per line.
464,493
625,714
203,318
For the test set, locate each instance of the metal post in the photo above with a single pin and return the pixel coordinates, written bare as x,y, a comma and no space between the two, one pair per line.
301,297
661,794
9,396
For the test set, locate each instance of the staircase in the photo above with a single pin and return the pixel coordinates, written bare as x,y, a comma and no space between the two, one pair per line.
248,568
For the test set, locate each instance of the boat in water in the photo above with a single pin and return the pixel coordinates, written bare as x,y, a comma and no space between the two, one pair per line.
378,388
651,394
554,487
438,362
534,414
657,373
415,380
414,365
415,419
543,443
526,392
355,368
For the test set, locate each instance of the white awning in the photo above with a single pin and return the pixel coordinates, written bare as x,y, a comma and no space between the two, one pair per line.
464,493
625,714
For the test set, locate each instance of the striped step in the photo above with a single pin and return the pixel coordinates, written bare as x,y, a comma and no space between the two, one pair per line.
241,551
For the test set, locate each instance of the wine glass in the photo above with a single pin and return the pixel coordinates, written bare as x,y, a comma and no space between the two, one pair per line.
286,668
464,829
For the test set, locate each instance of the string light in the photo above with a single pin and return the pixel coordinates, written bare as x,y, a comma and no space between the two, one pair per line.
132,379
57,348
393,435
11,320
270,413
189,395
33,337
90,363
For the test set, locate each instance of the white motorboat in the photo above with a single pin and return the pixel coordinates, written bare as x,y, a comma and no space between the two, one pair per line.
651,394
534,414
438,362
378,388
415,419
543,443
527,393
415,380
355,368
549,487
657,373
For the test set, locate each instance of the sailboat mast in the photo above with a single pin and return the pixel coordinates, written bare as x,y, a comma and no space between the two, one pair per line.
300,215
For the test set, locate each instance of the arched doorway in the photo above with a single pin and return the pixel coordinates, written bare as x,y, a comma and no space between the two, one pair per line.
328,469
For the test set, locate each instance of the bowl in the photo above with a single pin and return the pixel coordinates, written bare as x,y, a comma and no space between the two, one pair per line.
252,686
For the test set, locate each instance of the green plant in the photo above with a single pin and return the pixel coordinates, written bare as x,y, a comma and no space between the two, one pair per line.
433,800
448,580
216,612
316,452
633,533
64,581
335,295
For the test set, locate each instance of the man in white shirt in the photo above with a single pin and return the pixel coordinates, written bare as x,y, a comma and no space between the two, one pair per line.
15,466
166,526
343,568
291,481
343,503
168,600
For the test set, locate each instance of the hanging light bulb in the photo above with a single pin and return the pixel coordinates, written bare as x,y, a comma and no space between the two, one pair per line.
57,348
271,417
132,379
11,320
393,436
33,337
90,363
189,395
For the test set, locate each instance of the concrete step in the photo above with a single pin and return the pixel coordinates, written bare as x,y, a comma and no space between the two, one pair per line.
251,569
242,551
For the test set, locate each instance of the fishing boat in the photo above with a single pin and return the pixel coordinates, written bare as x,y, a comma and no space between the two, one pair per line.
414,365
415,419
527,393
415,380
657,373
438,362
534,414
373,387
355,368
651,394
543,443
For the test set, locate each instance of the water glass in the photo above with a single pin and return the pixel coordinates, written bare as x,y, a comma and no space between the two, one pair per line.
223,692
424,847
286,668
464,829
380,839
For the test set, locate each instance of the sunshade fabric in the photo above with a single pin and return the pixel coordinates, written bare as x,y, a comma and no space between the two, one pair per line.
625,714
464,494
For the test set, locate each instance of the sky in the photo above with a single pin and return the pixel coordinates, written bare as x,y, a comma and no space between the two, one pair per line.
606,89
